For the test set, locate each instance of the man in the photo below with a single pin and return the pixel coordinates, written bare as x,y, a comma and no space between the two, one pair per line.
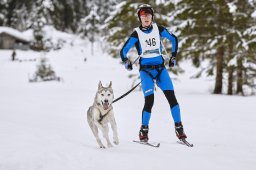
147,40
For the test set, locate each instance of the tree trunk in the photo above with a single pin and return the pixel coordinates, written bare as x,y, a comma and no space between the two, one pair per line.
231,68
219,71
92,48
230,80
239,83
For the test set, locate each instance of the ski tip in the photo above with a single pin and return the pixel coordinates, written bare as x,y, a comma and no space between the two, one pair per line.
190,145
185,142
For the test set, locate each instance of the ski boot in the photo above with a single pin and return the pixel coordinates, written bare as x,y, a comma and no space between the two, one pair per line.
179,131
143,134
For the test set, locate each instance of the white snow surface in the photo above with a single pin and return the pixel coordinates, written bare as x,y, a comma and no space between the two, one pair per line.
43,125
14,33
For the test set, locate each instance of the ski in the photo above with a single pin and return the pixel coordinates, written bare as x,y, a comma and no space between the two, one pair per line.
185,142
156,145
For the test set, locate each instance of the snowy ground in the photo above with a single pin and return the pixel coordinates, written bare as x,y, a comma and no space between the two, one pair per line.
43,125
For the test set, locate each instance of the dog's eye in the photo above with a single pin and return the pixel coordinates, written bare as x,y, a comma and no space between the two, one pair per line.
102,94
108,94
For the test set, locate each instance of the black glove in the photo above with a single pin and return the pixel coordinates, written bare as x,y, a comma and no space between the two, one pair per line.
128,65
172,61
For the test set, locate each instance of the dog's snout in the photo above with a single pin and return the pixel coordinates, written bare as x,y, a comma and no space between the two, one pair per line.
106,101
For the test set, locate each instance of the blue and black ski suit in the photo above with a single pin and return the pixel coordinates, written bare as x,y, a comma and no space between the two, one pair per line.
153,69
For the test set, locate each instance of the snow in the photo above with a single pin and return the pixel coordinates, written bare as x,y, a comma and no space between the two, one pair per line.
48,4
254,14
232,7
50,33
14,33
43,125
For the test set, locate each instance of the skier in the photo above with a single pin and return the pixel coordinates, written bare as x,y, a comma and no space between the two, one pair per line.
13,55
146,39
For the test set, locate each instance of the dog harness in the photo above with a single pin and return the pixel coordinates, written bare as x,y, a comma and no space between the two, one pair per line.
103,116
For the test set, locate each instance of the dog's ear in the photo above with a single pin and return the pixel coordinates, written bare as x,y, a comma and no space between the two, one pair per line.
110,84
100,85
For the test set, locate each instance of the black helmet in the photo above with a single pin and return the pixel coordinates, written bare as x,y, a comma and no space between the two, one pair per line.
147,8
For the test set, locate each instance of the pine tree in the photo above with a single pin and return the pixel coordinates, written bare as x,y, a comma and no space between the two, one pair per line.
11,16
62,15
242,46
204,26
38,22
247,46
66,14
104,9
13,11
44,72
3,12
80,9
90,26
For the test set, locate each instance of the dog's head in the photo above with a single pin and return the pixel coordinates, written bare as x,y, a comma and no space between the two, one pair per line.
105,96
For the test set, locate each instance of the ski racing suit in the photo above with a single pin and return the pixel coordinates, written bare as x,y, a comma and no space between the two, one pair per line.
149,47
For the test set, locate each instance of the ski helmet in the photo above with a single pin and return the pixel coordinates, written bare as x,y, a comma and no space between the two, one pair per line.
145,8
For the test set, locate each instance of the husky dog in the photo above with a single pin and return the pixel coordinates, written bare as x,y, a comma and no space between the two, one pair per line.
101,113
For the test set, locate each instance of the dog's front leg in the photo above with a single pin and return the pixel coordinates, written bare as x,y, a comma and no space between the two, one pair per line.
105,130
114,129
95,132
105,134
97,126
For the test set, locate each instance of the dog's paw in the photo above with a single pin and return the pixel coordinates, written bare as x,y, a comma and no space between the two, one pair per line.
102,147
115,140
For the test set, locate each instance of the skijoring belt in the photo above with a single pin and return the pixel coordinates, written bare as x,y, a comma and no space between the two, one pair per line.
143,67
159,68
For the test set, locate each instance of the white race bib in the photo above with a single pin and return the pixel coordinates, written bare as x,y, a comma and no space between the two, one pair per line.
150,42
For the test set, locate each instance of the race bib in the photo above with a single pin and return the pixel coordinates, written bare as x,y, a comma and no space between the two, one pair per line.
150,42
